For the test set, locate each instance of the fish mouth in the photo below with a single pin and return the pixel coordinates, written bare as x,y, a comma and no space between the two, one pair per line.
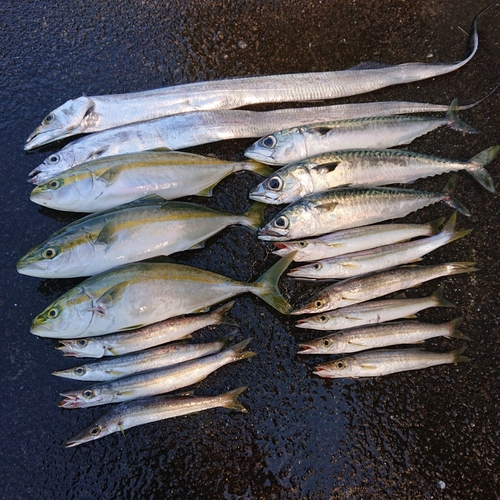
307,349
36,269
260,193
271,233
40,136
70,400
39,194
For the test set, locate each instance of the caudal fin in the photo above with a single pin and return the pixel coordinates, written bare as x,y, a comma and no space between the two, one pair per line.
258,168
449,229
266,287
438,296
230,400
456,355
450,200
454,332
220,316
478,171
254,216
455,122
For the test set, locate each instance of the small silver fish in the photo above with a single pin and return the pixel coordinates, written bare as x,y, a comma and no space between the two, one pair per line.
116,344
144,411
151,359
154,382
383,335
354,290
384,362
375,311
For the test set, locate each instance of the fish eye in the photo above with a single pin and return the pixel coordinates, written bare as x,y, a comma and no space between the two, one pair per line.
49,118
319,303
79,370
317,266
88,394
53,313
54,184
340,365
281,222
327,342
53,159
302,244
83,342
269,141
323,318
275,183
95,431
49,253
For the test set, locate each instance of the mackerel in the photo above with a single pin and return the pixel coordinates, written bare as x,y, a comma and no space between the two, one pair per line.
354,290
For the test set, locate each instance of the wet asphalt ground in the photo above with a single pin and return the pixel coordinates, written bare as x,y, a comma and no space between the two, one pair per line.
431,434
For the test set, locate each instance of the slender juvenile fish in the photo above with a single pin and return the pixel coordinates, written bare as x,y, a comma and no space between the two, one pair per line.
363,168
383,335
144,411
351,207
371,286
154,382
135,295
139,230
373,312
300,142
202,127
384,362
355,240
95,113
375,259
111,181
116,344
151,359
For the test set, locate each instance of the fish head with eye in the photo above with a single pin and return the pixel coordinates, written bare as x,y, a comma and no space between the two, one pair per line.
52,166
84,347
343,367
68,119
322,301
83,398
317,270
68,317
76,373
318,322
322,345
307,249
64,255
280,148
107,424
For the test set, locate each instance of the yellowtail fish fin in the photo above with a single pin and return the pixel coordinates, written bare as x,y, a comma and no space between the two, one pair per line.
266,287
110,176
258,168
108,235
207,191
254,216
231,400
478,171
448,196
110,297
455,122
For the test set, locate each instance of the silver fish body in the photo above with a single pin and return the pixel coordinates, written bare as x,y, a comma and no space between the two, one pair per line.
151,359
155,382
387,361
139,230
351,207
300,142
203,127
363,168
354,240
144,411
376,259
360,289
170,330
373,312
383,335
135,295
95,113
111,181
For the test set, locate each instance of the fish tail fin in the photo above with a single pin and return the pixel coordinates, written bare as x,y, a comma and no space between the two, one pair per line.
461,267
220,315
258,168
266,287
230,400
478,171
449,229
454,332
457,357
434,225
450,200
455,122
438,296
254,216
238,353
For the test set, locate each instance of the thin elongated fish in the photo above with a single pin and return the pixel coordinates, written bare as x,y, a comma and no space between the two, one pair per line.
363,168
355,240
135,295
95,113
108,182
203,127
154,382
139,230
375,259
373,312
354,290
387,361
144,411
383,335
351,207
300,142
116,344
151,359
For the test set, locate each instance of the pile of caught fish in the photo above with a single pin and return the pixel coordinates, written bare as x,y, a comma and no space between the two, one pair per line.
336,167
